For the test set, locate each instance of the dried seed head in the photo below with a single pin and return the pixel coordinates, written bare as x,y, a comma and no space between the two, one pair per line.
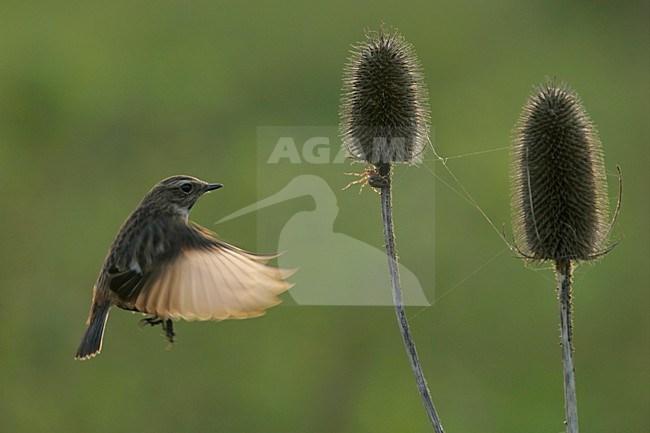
559,199
384,107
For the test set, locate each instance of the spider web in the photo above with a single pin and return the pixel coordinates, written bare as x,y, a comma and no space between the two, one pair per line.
457,186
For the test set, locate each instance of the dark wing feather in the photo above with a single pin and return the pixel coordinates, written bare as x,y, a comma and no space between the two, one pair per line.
126,284
155,244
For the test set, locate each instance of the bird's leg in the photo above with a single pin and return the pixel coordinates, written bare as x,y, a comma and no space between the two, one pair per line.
168,327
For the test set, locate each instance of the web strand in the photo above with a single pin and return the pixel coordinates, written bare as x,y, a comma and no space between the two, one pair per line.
458,284
480,152
464,193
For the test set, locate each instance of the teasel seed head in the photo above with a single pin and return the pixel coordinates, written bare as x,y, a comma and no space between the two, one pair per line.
384,105
559,201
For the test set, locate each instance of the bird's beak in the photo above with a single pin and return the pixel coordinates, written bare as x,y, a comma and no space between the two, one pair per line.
212,186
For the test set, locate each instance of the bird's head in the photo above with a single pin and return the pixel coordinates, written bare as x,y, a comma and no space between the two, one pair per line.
179,193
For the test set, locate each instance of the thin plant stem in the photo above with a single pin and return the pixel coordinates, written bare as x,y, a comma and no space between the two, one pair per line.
389,237
563,273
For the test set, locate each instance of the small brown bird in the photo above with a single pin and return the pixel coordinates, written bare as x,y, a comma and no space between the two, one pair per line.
167,267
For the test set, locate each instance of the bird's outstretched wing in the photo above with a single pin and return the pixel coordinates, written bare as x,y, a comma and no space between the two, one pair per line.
212,280
212,284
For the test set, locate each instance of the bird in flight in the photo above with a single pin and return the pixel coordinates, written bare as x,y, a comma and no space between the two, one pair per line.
165,266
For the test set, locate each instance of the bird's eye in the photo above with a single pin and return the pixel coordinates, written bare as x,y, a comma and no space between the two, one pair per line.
186,188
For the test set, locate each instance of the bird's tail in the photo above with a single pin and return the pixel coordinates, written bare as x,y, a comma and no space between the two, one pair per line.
91,343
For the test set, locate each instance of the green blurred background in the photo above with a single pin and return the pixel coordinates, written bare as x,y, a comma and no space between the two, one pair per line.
99,100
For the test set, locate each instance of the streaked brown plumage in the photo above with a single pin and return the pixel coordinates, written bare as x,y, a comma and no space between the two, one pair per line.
163,265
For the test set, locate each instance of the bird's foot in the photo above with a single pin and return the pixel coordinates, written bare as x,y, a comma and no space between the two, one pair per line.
167,327
152,321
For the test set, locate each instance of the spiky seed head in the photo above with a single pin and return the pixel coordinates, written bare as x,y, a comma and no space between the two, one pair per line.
384,104
559,201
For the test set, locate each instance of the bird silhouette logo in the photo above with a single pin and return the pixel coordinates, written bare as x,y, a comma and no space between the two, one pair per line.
335,268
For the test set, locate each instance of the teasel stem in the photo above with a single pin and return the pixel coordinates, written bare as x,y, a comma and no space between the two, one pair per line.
385,120
396,288
563,269
560,201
